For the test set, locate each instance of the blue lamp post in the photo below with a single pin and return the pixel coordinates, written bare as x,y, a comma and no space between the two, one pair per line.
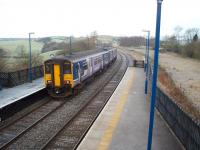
70,45
155,72
88,42
30,58
147,59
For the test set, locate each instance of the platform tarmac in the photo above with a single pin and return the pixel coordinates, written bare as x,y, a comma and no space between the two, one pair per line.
123,123
11,95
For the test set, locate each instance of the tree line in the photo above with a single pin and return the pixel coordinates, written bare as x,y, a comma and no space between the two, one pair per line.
135,41
184,43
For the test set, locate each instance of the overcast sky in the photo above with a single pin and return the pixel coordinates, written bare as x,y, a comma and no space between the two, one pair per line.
81,17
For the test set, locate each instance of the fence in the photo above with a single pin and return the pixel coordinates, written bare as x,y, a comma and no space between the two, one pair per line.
10,79
186,129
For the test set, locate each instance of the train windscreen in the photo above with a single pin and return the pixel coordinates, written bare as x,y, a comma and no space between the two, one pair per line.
67,68
47,68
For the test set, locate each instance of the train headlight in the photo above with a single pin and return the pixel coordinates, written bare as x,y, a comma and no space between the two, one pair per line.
66,82
49,81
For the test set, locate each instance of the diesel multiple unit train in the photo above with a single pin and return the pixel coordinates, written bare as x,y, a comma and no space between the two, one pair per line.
63,74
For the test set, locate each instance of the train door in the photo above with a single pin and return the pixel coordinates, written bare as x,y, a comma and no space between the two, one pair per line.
57,77
76,73
92,65
79,72
89,66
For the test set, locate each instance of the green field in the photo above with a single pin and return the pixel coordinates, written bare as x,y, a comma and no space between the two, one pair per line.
16,51
12,48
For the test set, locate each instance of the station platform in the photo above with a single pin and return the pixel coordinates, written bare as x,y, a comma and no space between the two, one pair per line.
123,123
11,95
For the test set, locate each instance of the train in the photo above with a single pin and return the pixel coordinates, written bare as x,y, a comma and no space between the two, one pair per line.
64,75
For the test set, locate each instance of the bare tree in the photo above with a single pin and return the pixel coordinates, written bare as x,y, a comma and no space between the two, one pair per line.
190,33
37,59
94,38
195,38
177,30
2,52
22,62
21,50
2,64
132,41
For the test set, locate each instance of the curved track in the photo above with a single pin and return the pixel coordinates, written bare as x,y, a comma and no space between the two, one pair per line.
78,125
44,127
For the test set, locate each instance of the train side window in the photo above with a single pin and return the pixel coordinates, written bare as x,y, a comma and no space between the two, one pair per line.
47,68
67,68
95,61
84,65
99,60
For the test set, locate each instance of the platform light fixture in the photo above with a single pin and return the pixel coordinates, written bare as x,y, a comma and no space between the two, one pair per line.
30,57
155,73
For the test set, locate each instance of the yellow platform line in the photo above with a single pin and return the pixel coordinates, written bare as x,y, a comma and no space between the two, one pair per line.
107,137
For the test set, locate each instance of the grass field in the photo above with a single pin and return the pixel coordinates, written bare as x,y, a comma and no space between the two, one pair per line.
11,46
12,49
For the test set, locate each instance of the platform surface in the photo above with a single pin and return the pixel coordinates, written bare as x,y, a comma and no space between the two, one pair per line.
10,95
123,123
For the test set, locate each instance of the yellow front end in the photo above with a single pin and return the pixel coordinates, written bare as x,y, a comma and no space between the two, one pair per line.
68,79
58,78
47,74
47,79
57,75
68,74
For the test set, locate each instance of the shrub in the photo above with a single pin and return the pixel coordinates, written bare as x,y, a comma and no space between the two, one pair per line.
171,44
132,41
2,64
23,62
2,52
80,45
192,50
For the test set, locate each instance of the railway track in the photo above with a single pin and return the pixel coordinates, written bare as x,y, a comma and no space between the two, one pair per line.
78,125
44,128
12,110
18,128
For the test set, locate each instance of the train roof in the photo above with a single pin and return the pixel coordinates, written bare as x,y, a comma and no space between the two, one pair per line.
77,56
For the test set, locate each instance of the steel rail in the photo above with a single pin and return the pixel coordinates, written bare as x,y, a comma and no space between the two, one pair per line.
80,110
7,144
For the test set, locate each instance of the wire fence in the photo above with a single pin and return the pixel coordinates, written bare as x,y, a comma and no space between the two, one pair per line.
10,79
185,128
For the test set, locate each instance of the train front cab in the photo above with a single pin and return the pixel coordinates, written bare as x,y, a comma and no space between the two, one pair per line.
58,78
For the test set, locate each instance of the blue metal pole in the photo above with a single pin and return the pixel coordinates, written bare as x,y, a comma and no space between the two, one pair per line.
155,71
70,45
147,66
30,64
88,42
145,61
